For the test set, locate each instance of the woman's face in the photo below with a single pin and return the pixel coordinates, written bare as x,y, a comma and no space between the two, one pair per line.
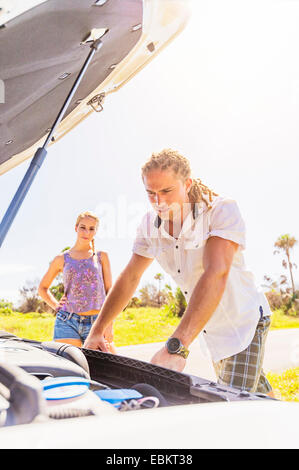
167,193
86,229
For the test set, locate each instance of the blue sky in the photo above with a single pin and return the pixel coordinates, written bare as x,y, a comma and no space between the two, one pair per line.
225,93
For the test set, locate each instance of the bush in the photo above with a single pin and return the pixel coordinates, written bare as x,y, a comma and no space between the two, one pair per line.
275,299
176,305
284,300
150,296
134,303
6,308
31,302
57,291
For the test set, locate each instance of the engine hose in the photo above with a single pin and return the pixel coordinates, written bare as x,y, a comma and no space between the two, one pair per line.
149,391
65,413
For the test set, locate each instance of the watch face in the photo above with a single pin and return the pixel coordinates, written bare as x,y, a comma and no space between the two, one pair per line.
173,345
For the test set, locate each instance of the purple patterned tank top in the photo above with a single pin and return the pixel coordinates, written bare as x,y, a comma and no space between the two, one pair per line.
83,284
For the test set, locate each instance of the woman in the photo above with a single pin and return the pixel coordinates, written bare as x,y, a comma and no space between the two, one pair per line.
87,280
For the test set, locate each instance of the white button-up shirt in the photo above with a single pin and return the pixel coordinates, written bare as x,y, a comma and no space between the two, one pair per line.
232,326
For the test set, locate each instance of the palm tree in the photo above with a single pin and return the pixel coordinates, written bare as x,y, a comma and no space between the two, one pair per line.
285,243
159,278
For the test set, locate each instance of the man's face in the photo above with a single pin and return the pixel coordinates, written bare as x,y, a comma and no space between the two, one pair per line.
167,193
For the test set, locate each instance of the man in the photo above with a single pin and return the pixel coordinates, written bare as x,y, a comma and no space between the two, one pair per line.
198,238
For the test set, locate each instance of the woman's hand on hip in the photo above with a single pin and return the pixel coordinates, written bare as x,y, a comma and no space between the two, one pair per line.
60,303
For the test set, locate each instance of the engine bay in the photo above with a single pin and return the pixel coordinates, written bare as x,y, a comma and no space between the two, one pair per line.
50,380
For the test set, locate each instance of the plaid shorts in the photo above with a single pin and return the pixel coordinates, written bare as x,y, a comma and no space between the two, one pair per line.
244,370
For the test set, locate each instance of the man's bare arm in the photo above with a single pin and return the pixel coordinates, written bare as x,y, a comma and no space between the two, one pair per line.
118,298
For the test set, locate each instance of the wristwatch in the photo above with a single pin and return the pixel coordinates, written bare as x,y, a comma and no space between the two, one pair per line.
175,346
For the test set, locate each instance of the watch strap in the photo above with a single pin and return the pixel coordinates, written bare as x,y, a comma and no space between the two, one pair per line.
183,352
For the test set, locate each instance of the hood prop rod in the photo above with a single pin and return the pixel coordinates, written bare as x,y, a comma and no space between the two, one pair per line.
41,152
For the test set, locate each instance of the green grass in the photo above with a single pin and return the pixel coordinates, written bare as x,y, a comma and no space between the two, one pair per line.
285,385
143,325
280,320
133,326
37,326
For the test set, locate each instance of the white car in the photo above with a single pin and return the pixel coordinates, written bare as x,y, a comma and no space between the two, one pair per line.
59,60
54,395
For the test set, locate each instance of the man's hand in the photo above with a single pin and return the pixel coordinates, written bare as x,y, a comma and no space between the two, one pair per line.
97,342
171,361
101,342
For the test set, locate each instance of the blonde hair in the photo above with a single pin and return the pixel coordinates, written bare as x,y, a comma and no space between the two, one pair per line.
171,159
93,216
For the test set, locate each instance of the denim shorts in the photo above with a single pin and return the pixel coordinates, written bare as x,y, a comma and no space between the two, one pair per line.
72,325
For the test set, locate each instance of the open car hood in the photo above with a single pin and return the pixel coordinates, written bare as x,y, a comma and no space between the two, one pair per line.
43,46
